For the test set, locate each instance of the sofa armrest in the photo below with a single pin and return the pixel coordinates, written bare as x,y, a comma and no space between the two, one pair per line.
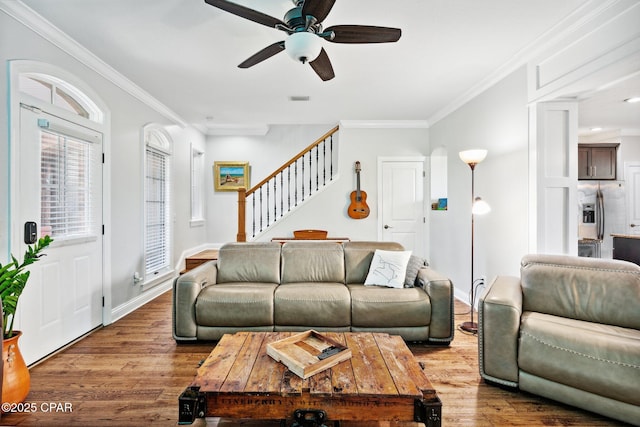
185,291
499,312
440,291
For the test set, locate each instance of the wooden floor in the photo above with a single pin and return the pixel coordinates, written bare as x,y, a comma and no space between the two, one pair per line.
131,373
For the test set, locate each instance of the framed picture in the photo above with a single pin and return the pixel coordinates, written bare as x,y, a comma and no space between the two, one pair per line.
230,176
442,204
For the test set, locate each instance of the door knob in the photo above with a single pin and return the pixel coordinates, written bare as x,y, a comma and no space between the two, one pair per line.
387,226
635,225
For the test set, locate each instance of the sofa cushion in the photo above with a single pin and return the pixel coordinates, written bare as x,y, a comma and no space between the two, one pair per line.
595,290
358,256
375,306
312,262
236,304
388,268
312,305
597,358
249,262
413,267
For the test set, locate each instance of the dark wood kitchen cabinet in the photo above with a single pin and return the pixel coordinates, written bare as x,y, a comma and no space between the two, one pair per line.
597,161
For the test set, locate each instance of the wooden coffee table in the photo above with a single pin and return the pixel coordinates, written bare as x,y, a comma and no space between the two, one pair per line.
381,382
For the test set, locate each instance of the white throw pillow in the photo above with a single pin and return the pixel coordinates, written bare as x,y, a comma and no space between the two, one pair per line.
388,268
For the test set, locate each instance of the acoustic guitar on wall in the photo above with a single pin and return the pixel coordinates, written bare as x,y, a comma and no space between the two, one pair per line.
358,208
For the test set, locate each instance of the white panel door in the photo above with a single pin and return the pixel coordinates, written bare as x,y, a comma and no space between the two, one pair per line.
60,189
402,203
632,178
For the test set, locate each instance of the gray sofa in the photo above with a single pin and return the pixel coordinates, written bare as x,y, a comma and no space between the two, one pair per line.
308,285
568,329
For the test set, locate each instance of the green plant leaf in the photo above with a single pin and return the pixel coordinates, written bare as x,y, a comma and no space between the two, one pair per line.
13,280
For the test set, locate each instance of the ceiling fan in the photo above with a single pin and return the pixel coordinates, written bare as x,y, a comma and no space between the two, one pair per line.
303,24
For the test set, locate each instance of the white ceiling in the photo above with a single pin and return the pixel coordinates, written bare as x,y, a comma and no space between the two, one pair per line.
185,53
606,109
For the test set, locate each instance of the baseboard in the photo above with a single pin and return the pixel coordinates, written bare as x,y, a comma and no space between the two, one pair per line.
180,265
462,296
135,303
150,294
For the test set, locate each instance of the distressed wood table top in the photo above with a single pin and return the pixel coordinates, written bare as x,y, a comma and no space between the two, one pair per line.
381,381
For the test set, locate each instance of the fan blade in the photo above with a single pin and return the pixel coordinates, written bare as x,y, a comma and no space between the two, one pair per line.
317,8
265,53
322,66
245,12
363,34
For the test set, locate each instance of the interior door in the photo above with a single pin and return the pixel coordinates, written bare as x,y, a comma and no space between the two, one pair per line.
60,189
632,178
402,203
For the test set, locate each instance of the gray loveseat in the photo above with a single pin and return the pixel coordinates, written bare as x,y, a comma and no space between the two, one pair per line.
568,329
308,285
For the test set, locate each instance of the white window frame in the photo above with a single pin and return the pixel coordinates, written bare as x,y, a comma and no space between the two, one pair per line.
83,220
158,142
197,187
94,113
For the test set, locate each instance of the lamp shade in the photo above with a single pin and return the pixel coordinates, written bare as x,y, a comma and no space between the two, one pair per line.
480,207
303,46
472,157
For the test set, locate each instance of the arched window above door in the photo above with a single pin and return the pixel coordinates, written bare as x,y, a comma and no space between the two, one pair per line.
60,94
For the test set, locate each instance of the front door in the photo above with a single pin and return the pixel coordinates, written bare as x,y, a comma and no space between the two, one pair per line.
402,203
632,178
59,188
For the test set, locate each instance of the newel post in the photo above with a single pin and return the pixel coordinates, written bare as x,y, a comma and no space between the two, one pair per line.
242,201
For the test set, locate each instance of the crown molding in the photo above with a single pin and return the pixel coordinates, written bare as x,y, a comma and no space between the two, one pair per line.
569,25
36,23
249,129
384,124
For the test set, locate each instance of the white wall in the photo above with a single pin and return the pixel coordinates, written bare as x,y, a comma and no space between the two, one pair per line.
265,153
128,115
327,210
496,120
629,151
187,238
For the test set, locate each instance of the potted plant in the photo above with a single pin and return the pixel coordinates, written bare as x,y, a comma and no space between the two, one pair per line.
13,279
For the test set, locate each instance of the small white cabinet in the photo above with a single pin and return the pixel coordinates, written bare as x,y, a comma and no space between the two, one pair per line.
597,161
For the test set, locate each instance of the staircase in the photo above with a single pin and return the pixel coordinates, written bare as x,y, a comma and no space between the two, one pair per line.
286,188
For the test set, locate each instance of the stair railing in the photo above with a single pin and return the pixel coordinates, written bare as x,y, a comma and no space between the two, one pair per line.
287,187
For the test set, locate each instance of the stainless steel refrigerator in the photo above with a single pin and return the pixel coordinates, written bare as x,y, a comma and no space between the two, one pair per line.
602,205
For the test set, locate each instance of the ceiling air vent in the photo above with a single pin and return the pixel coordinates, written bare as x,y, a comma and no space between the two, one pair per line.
299,98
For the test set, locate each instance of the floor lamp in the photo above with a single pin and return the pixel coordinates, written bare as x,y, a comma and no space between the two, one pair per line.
478,207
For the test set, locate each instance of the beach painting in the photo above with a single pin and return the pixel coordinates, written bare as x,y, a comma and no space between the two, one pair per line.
230,176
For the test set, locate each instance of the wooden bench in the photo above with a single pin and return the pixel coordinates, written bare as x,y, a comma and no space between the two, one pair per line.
193,261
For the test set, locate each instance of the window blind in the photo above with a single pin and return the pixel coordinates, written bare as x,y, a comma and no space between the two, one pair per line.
65,171
157,222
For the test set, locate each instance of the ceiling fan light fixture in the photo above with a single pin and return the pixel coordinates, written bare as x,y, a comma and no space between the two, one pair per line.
303,46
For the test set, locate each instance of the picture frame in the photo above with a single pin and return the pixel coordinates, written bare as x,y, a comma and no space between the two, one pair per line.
442,204
230,176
